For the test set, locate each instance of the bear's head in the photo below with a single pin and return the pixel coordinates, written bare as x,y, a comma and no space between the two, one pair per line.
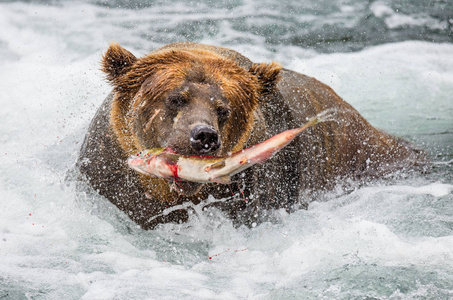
194,101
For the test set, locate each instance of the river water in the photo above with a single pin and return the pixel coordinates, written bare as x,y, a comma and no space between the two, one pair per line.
392,239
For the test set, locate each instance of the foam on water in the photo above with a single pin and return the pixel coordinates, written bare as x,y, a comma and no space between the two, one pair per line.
391,239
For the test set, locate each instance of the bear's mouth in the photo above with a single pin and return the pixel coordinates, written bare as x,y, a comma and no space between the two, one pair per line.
185,188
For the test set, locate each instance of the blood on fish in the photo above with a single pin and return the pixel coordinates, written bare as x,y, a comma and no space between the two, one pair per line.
174,169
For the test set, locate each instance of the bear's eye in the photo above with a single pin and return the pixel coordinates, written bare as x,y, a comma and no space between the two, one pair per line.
176,101
223,112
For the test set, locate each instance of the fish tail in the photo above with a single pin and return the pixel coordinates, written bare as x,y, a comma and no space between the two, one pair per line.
324,116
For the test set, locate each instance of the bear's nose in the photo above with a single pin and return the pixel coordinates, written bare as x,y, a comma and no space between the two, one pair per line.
204,139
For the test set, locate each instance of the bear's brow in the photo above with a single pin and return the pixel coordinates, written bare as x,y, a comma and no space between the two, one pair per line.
189,88
185,92
221,103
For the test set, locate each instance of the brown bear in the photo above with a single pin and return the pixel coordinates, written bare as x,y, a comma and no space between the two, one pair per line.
201,99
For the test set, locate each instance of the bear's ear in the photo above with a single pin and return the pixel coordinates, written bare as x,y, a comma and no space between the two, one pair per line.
267,74
116,62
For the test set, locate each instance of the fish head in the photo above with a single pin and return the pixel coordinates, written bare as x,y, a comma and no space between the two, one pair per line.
163,163
138,164
140,160
144,154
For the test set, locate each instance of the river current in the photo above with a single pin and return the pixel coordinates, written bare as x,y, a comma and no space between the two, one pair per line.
391,239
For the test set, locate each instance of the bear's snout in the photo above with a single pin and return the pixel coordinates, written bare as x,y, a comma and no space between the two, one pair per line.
204,139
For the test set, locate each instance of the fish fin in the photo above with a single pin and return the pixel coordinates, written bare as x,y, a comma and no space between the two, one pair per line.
225,179
217,165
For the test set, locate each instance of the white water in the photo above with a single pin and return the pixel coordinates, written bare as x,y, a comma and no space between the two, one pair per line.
392,239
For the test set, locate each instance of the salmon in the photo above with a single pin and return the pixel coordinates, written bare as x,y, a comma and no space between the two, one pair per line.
165,163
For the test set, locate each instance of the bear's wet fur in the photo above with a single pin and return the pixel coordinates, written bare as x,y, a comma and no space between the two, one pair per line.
159,99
